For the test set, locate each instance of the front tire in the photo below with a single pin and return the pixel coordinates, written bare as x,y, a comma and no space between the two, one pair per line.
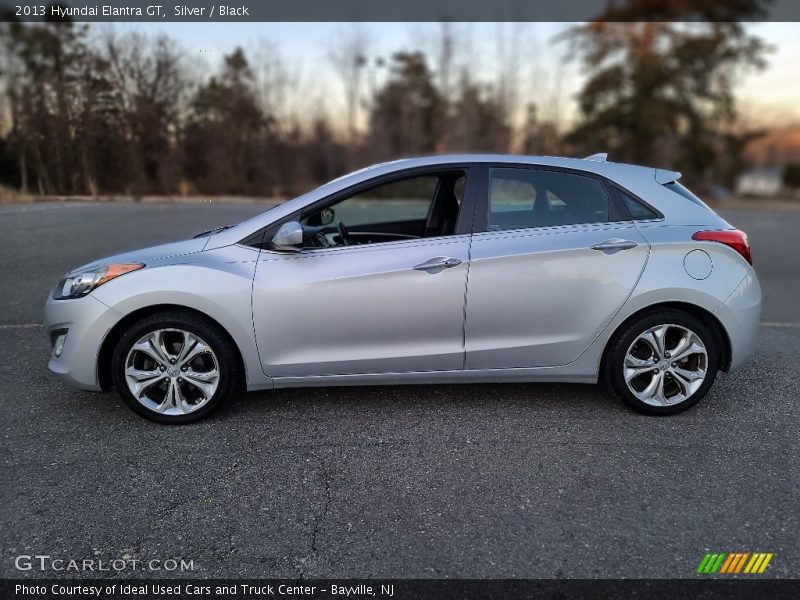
663,362
175,367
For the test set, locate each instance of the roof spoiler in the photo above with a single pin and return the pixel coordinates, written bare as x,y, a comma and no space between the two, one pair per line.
599,157
663,176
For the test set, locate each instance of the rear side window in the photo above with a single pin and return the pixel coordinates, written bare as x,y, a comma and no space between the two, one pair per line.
524,198
685,192
636,210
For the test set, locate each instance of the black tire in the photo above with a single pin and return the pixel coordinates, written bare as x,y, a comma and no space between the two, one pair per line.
225,358
622,340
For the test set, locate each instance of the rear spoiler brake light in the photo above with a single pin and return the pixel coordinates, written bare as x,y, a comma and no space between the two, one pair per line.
664,177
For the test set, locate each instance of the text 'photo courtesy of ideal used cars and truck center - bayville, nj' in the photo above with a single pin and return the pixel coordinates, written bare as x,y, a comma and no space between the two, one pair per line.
412,300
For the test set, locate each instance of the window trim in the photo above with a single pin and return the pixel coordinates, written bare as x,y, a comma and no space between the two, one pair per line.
464,223
616,210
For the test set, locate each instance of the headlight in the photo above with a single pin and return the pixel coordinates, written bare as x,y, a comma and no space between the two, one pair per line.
80,283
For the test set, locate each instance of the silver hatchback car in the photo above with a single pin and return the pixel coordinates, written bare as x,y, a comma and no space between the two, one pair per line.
444,269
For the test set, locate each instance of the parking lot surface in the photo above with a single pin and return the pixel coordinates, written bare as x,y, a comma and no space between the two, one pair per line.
405,481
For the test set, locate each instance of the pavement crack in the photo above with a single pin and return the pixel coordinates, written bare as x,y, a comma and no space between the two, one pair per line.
318,520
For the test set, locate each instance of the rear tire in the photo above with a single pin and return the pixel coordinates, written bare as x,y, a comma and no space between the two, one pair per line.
175,367
663,362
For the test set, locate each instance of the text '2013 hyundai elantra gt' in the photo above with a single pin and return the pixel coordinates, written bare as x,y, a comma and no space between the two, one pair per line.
429,270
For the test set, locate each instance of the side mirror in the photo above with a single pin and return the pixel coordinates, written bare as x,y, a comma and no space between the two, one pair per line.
289,237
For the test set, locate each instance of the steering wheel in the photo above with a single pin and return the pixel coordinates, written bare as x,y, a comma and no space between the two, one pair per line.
344,235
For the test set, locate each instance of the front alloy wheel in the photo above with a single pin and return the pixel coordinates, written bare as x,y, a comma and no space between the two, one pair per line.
175,367
172,371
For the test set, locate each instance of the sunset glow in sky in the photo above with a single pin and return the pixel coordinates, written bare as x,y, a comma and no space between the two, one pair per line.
771,96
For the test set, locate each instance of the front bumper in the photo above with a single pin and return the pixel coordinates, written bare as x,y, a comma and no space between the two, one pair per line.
87,321
740,314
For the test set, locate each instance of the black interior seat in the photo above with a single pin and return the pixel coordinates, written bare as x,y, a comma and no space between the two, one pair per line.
444,213
449,211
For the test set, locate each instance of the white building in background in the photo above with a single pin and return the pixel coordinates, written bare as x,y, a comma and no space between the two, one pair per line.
760,181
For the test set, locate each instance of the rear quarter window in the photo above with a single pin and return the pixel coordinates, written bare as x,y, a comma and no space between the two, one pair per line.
635,209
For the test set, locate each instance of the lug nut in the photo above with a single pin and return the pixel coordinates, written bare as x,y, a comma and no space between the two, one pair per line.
674,365
667,354
172,361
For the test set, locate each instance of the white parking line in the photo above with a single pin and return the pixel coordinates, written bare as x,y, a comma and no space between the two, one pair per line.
10,209
21,325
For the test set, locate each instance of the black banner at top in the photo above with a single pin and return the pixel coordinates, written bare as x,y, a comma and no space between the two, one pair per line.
397,10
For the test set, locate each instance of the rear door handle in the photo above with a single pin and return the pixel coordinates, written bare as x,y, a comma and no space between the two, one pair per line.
615,244
440,262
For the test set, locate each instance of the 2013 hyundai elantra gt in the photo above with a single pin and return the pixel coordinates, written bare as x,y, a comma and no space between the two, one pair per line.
427,270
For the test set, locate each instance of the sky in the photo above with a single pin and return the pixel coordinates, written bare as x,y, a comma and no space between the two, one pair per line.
769,97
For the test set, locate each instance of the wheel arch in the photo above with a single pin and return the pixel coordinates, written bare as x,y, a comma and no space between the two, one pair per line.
118,330
706,317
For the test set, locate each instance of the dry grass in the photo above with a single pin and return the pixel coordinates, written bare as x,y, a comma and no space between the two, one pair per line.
10,196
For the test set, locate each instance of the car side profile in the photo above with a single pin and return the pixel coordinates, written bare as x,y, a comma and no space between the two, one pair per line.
443,269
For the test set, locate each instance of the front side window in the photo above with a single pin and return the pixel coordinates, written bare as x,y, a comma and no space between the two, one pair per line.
522,198
406,200
411,207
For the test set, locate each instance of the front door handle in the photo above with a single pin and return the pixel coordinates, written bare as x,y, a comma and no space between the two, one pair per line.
615,244
440,262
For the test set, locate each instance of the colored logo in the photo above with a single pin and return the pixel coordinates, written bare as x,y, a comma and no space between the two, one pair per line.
730,563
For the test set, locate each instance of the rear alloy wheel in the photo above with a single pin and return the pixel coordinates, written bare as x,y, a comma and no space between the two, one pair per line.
174,368
663,363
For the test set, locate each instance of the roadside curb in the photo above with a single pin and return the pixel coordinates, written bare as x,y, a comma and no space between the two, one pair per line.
765,204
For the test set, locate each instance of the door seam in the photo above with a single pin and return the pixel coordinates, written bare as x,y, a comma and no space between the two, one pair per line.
464,309
475,203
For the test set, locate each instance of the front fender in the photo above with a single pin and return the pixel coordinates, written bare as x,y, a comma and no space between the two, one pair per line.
220,289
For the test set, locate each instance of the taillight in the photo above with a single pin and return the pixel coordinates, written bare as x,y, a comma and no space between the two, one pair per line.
732,238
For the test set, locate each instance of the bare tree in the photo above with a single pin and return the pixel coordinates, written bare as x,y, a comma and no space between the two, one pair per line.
277,86
349,57
508,49
10,72
152,91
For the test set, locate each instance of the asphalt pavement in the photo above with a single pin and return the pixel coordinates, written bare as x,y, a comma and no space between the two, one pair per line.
405,481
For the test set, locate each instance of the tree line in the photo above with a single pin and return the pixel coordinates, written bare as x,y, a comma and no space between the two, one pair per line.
125,114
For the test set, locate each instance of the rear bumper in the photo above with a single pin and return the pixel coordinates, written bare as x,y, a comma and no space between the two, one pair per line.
740,314
86,322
